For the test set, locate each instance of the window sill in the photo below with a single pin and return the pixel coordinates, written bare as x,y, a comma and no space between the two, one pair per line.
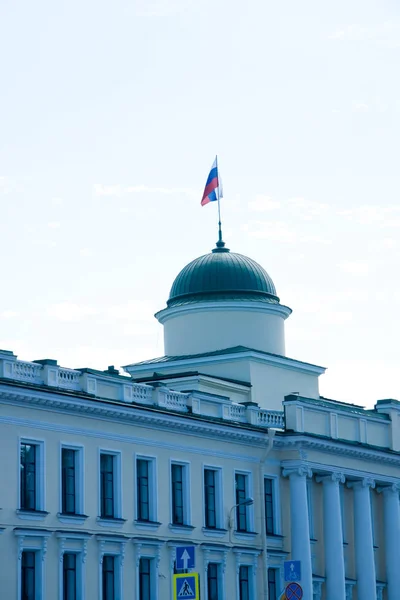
72,518
186,529
245,535
214,532
31,515
113,522
147,524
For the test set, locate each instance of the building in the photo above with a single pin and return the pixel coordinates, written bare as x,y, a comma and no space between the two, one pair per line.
224,443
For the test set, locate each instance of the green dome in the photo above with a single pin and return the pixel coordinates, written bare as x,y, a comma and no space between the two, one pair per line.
222,275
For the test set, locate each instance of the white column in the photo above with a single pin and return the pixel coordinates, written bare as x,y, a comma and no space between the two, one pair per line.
364,544
300,530
391,516
333,537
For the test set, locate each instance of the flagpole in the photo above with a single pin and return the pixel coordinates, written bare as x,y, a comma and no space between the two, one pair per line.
220,242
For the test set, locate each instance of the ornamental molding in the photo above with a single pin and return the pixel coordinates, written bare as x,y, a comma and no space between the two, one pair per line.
270,308
274,360
366,482
323,471
153,418
301,470
335,477
336,447
393,488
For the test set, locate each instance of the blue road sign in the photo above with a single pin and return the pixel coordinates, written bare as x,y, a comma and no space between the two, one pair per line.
186,586
292,570
185,557
294,591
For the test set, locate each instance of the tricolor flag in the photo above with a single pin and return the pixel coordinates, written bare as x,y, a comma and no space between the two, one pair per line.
213,189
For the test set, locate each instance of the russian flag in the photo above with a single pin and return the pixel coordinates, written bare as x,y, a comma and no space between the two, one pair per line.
213,184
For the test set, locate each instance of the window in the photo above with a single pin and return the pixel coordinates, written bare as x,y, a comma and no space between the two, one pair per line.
28,575
69,576
211,498
108,577
272,584
107,500
269,506
213,585
180,494
29,476
68,481
143,491
241,490
244,583
145,588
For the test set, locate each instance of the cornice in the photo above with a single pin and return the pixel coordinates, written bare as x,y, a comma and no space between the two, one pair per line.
150,417
166,314
274,360
302,442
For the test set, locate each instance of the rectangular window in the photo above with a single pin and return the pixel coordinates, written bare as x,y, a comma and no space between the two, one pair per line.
272,584
244,583
269,506
108,577
143,489
178,503
28,576
210,498
69,576
145,590
241,487
68,480
213,591
29,476
107,500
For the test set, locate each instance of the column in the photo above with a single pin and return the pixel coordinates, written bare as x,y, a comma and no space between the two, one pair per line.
300,531
391,516
364,544
333,537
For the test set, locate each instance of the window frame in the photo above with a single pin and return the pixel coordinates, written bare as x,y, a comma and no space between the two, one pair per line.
40,467
117,484
275,570
79,480
218,498
152,489
152,578
186,498
219,579
248,511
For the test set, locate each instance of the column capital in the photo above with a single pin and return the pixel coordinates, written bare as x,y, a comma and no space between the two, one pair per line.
298,471
390,488
331,478
365,482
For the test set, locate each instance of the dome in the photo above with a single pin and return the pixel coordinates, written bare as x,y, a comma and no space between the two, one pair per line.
222,275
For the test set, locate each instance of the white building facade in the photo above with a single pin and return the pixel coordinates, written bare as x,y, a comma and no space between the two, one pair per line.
224,444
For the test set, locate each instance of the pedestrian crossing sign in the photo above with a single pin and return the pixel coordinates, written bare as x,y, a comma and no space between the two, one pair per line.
186,586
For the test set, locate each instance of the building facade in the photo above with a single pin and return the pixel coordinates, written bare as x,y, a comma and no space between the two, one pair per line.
223,444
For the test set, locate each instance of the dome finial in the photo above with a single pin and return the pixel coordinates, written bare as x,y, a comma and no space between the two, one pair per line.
220,245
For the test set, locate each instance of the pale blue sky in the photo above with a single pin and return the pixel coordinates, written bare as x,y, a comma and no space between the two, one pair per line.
110,116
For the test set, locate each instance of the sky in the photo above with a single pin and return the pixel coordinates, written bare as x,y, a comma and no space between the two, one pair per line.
111,114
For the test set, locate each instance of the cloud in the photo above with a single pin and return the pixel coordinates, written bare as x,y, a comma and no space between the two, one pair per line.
360,107
120,190
308,208
279,231
86,252
384,34
263,203
160,8
69,312
54,225
360,268
374,215
8,314
57,201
